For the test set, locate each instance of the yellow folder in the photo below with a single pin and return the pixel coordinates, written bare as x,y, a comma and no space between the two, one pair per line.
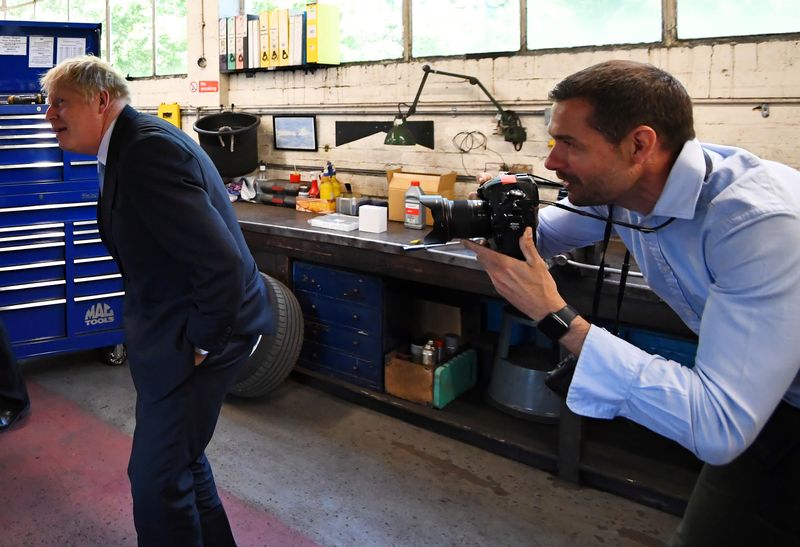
263,35
322,34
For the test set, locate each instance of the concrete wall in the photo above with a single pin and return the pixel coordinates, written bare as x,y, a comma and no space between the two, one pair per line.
726,80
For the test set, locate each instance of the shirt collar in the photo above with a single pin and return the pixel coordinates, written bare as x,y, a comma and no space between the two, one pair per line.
684,183
102,152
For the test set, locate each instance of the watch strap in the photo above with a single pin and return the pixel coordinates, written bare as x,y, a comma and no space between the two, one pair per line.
556,324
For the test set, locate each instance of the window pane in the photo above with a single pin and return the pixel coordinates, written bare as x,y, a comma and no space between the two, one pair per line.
370,31
710,18
453,27
257,6
132,37
51,10
23,13
171,49
570,23
88,11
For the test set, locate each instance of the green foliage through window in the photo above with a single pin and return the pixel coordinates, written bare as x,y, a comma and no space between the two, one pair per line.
139,29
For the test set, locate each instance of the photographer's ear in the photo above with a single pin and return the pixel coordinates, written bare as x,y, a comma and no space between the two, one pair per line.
642,142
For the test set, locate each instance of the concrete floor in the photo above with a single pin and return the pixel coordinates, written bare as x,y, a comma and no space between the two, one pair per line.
340,474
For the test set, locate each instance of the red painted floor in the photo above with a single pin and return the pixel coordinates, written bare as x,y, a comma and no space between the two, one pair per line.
63,482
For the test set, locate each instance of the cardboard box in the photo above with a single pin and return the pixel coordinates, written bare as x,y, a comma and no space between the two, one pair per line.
431,184
315,205
434,385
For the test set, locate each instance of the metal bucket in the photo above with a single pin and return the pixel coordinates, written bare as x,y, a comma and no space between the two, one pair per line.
520,390
231,141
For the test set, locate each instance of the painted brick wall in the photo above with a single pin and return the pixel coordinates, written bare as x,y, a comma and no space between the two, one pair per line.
726,81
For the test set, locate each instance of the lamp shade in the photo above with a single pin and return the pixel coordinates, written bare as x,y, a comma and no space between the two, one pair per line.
400,134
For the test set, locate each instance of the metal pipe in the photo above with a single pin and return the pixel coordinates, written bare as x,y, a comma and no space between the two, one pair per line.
564,260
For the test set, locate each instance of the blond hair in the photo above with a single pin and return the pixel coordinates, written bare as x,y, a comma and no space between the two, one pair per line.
88,75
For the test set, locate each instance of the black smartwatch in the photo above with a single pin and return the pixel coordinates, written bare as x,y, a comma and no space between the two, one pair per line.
556,324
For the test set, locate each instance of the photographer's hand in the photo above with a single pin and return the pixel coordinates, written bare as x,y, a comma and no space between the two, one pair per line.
529,286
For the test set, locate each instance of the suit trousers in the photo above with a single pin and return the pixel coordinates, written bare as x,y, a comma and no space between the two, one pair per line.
175,501
13,395
755,499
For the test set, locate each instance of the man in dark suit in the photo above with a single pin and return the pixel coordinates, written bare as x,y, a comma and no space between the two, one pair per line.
195,304
14,402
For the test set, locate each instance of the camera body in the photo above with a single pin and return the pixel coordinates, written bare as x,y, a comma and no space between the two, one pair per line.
506,205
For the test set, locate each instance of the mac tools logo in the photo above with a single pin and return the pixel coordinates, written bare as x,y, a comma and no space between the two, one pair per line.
99,314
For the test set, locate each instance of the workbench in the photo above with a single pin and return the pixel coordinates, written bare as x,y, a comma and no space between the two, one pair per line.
617,455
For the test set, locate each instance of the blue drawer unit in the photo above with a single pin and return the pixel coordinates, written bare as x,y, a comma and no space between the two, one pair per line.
60,290
345,329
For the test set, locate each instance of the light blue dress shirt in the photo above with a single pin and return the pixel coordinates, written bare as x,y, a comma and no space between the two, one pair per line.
729,265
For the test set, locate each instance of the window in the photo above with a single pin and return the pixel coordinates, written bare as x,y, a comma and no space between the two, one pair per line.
145,39
370,31
572,23
453,27
713,18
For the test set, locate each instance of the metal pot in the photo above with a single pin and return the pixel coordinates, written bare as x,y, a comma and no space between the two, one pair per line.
231,141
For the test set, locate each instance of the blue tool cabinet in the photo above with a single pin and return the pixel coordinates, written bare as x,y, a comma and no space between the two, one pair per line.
345,334
60,290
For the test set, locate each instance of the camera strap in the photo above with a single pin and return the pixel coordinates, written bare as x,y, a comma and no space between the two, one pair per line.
598,285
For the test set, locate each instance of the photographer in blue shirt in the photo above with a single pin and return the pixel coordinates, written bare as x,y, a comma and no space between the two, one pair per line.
723,251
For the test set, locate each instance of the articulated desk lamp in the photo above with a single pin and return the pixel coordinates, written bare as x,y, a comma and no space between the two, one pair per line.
508,123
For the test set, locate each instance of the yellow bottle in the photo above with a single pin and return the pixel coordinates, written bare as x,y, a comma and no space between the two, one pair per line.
326,189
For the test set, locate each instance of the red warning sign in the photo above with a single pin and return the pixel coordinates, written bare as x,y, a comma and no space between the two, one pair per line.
209,86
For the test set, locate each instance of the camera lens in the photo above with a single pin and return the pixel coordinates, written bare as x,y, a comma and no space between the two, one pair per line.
462,218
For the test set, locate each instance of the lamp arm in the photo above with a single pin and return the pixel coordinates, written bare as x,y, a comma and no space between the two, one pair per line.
471,79
413,107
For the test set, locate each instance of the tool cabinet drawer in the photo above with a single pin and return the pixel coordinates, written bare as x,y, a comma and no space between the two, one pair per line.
100,265
31,273
328,310
37,321
339,364
26,293
336,283
95,313
90,248
99,284
356,342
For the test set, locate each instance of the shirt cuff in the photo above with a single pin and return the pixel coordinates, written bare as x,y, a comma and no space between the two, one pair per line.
606,369
199,351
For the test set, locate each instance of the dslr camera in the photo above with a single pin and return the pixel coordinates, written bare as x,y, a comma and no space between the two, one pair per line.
506,205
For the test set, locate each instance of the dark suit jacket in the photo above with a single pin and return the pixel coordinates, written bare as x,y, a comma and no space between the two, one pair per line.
190,280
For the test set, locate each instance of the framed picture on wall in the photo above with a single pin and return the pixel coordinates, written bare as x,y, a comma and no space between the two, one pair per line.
295,132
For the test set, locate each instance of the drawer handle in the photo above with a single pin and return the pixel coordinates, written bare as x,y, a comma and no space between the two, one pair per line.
48,207
98,296
28,305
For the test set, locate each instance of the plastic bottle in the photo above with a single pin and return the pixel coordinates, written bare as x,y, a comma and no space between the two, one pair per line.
313,192
429,353
261,178
330,171
415,212
325,188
